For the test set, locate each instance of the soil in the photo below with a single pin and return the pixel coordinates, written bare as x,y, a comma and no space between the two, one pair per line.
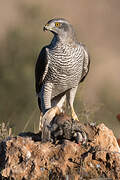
76,151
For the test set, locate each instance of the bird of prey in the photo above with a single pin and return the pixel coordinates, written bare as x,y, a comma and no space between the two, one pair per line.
60,67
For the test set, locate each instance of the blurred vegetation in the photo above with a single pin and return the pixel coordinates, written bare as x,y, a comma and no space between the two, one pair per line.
21,46
18,53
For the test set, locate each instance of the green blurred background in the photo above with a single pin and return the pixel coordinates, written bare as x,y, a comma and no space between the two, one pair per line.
97,24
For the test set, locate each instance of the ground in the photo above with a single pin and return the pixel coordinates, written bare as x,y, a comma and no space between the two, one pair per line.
76,151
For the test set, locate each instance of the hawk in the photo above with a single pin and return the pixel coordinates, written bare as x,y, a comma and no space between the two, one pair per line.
60,67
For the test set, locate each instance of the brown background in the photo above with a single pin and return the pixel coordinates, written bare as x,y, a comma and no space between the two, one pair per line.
97,24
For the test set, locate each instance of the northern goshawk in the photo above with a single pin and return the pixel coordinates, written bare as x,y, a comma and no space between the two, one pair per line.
60,67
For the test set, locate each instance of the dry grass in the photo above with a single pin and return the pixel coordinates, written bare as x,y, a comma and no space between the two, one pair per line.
5,131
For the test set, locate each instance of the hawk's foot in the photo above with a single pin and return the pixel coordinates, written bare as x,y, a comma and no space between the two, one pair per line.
51,113
47,118
74,116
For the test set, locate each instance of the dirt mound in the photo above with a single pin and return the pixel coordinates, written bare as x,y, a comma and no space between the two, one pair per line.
76,152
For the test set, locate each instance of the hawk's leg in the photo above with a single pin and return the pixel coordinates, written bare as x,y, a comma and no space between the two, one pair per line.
45,101
45,96
70,98
61,102
48,116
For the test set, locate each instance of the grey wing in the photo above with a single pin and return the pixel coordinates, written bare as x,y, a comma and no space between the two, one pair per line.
86,64
41,69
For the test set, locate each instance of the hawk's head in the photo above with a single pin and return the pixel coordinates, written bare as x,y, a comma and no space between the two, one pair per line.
60,27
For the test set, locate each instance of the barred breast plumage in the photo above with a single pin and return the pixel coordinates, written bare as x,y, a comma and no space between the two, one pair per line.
65,66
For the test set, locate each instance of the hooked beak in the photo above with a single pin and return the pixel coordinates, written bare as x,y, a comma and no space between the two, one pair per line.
46,27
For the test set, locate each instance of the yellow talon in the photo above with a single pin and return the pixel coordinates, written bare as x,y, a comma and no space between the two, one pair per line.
74,116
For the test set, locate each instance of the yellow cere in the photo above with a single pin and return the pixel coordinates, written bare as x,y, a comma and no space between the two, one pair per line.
57,24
